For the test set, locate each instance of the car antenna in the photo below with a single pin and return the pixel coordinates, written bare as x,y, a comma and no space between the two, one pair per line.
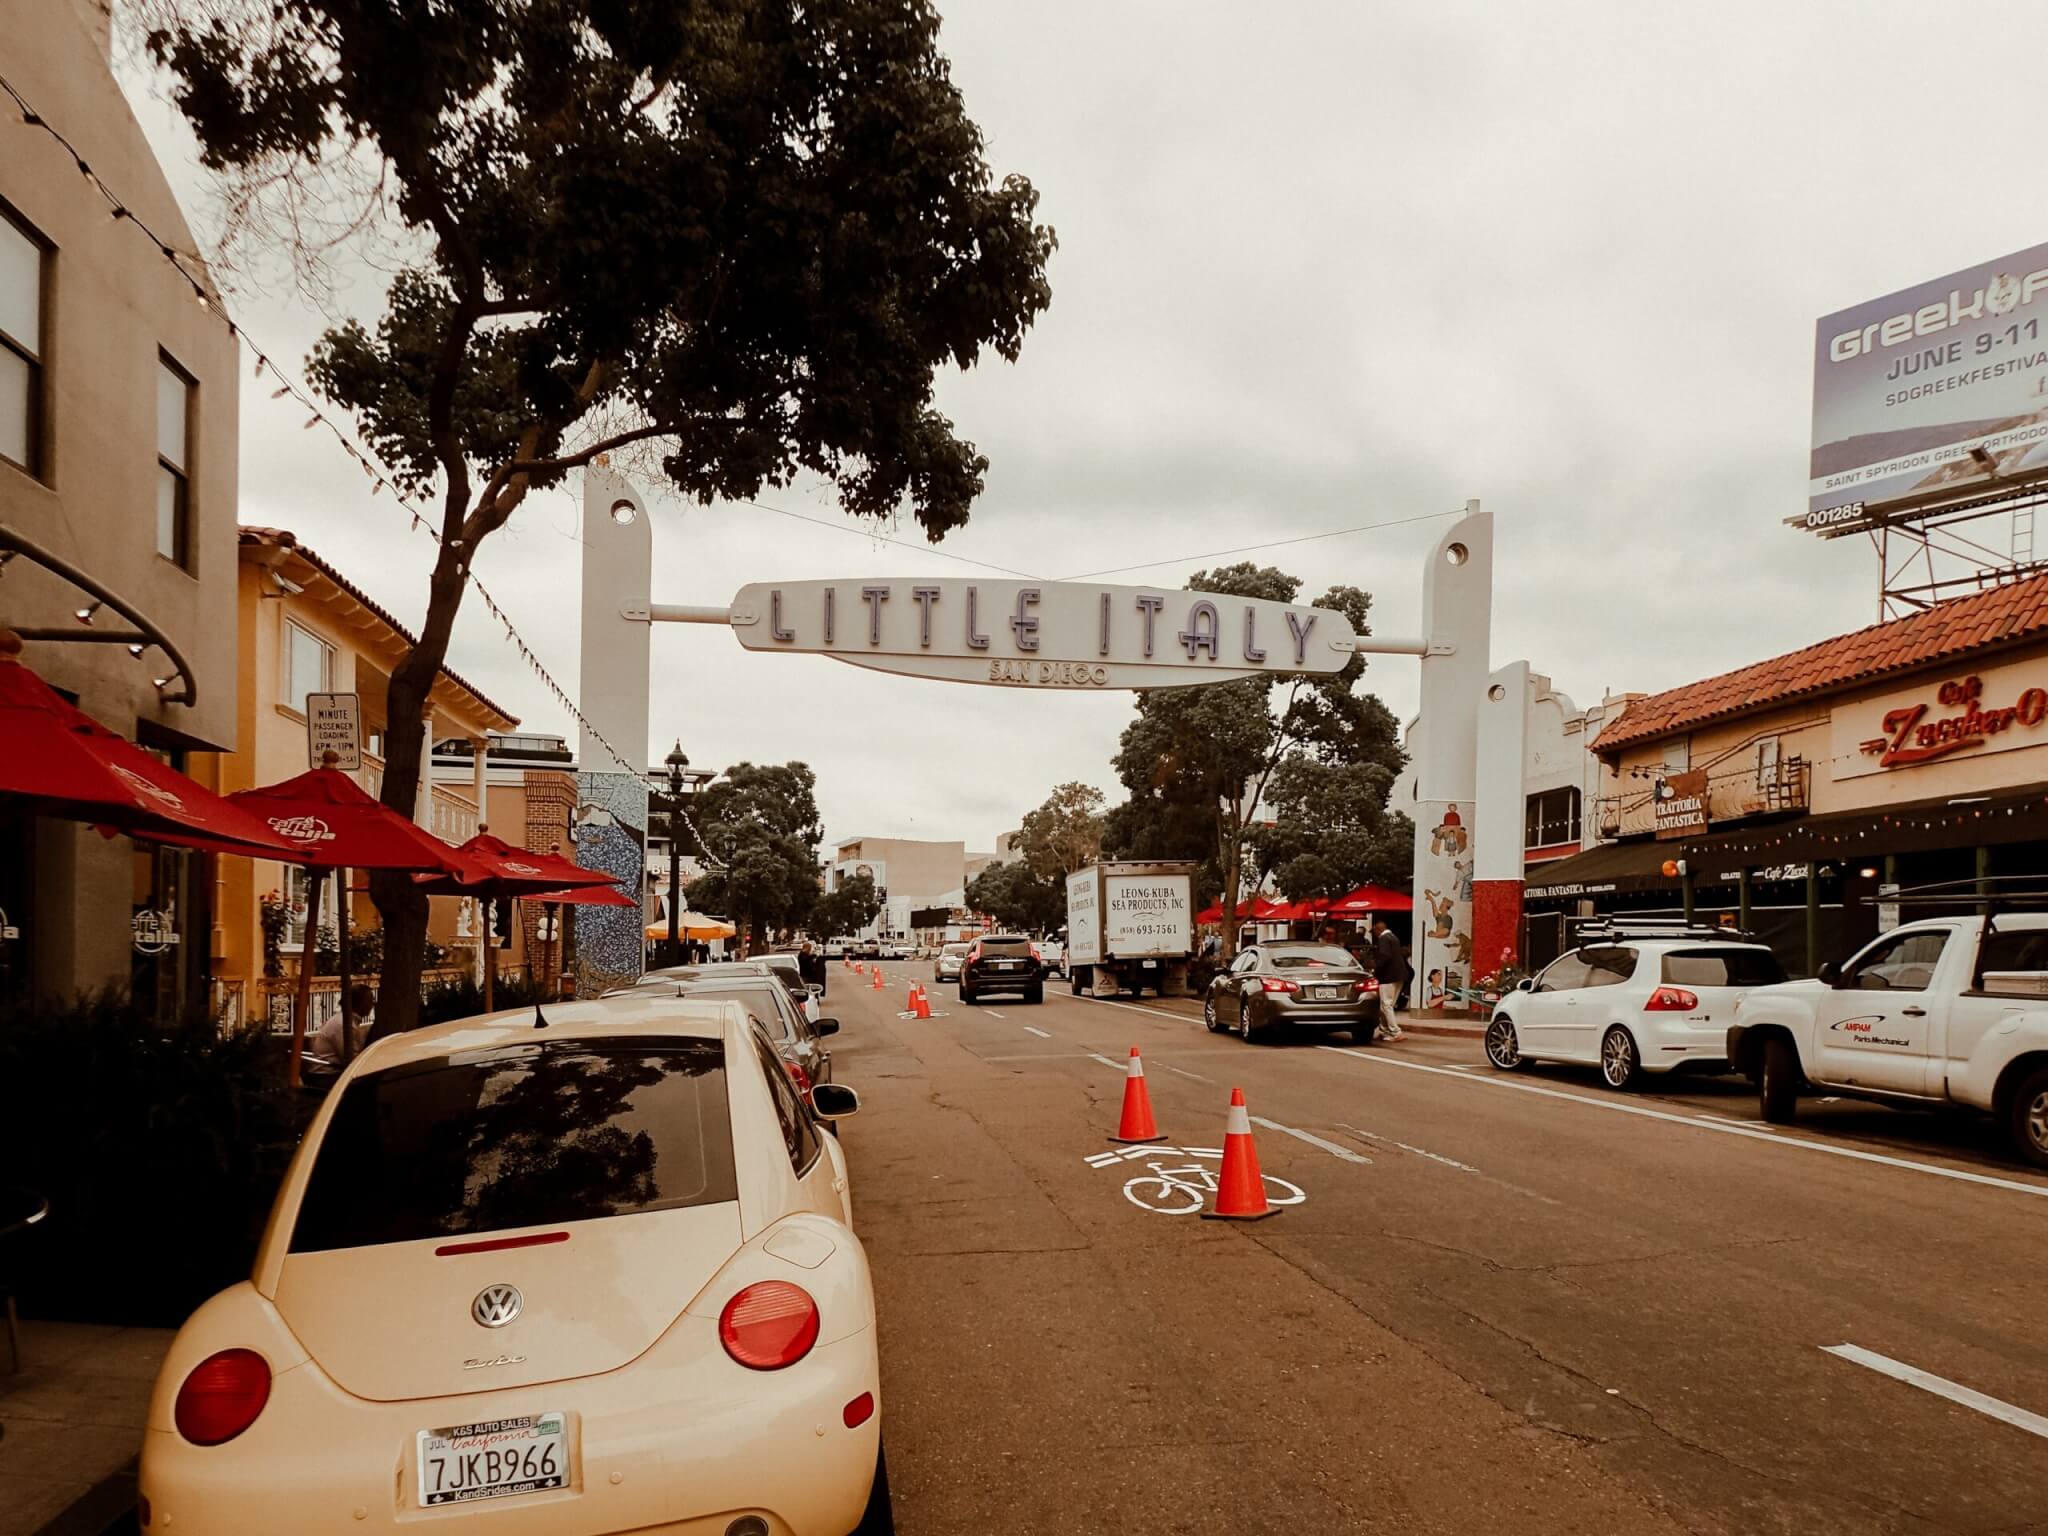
540,1020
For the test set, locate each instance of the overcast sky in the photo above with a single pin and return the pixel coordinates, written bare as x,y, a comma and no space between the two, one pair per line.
1323,265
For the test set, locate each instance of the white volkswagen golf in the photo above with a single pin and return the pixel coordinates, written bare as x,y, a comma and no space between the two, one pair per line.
1632,999
579,1270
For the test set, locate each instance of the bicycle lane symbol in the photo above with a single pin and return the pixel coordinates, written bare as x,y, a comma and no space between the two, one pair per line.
1178,1181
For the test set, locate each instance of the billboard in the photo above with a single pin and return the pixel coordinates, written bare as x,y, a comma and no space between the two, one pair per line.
1939,387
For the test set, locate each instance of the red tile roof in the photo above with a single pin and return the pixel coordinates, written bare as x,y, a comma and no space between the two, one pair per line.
283,538
1945,632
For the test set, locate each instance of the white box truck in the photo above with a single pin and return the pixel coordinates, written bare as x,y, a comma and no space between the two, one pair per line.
1129,927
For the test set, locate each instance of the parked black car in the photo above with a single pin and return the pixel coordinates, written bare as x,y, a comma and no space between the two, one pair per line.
1271,986
1003,962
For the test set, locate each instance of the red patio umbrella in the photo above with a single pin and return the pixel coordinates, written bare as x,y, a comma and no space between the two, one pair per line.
63,763
494,870
585,896
1372,898
331,822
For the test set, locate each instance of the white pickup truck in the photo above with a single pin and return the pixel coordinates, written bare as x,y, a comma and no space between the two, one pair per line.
1942,1011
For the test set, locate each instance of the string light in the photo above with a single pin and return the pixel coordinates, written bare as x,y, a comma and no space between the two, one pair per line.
288,389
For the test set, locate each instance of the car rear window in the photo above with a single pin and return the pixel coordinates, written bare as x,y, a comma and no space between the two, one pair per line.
1722,968
1006,949
526,1136
1310,955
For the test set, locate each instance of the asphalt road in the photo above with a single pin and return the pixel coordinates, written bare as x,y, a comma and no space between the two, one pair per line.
1508,1302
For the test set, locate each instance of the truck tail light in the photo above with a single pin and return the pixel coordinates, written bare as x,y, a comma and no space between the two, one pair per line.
1279,984
1672,1000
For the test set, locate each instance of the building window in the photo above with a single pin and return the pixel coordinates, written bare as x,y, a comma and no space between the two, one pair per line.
24,259
1767,761
174,390
297,885
309,665
1678,755
1551,818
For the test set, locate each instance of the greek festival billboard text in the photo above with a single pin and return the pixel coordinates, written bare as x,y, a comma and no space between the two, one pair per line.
1934,387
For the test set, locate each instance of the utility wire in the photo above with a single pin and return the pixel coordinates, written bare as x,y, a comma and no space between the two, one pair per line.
1245,549
842,526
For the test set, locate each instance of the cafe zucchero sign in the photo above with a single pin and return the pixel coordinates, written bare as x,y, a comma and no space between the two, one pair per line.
1041,634
1962,714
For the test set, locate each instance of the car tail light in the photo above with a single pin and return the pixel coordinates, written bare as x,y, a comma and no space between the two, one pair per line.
222,1396
798,1076
1369,985
769,1325
1279,984
1671,1000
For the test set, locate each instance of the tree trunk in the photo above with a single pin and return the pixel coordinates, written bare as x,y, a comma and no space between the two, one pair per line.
399,902
1233,858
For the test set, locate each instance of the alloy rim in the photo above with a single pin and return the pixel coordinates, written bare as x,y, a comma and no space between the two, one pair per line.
1209,1012
1500,1044
1618,1058
2037,1121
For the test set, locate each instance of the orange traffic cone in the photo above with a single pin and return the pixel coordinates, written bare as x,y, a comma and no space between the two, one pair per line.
859,969
910,999
923,1006
1240,1189
1136,1123
878,979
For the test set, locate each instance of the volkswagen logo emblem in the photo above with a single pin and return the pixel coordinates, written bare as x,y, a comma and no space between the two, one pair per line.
496,1305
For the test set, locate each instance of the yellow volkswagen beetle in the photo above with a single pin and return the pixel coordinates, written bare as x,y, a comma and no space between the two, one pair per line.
570,1271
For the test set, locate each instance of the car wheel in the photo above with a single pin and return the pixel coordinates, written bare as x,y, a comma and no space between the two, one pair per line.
1503,1045
1244,1023
1035,995
879,1518
1209,1020
2027,1120
1778,1088
1619,1064
966,998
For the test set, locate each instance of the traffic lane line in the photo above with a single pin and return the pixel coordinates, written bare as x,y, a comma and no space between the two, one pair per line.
1941,1386
1032,1029
1342,1154
1434,1157
1698,1122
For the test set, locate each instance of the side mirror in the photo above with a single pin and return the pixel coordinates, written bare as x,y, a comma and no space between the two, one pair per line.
817,988
1829,974
1526,984
834,1101
825,1027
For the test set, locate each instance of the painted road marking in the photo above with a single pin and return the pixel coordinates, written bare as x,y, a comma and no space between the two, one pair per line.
1697,1122
1342,1154
1434,1157
1184,1072
1032,1029
1940,1386
1114,1066
993,1014
1181,1191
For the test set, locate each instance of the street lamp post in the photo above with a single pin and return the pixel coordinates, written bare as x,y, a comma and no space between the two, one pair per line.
680,773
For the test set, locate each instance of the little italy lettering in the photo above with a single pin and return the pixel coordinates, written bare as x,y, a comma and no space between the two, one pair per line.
1040,634
1914,734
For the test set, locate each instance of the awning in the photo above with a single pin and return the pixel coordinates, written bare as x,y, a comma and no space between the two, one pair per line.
2015,815
58,761
1637,866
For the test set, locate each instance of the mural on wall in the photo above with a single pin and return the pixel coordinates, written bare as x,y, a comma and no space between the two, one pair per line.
1442,947
611,835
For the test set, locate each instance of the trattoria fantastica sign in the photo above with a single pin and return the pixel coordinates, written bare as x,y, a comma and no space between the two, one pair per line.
1041,634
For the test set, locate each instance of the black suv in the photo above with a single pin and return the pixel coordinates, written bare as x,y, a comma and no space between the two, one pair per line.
1002,962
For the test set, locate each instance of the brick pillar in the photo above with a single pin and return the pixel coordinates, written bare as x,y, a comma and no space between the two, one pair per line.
550,809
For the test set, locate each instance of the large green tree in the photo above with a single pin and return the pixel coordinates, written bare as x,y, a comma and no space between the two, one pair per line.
1199,763
1017,898
742,233
848,907
1331,830
759,832
1065,833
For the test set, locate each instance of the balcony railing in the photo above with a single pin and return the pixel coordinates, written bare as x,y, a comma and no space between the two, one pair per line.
1732,795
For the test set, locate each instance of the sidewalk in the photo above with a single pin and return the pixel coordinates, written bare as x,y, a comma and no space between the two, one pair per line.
71,1425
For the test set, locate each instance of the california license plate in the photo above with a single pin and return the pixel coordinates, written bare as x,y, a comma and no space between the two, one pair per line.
494,1459
1329,994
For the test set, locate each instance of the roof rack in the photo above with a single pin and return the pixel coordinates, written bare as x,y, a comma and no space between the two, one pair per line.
1604,927
2009,892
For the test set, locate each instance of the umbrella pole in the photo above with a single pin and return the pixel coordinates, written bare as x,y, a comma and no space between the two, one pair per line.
341,939
487,948
304,1001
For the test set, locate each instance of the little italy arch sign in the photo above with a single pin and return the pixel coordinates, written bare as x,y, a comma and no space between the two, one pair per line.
1038,634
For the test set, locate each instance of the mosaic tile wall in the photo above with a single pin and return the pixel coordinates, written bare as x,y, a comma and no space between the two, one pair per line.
611,836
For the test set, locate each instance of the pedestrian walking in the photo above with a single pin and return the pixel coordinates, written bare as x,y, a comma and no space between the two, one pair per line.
1389,968
811,966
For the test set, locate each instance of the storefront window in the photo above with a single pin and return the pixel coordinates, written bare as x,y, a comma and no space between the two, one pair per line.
170,921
